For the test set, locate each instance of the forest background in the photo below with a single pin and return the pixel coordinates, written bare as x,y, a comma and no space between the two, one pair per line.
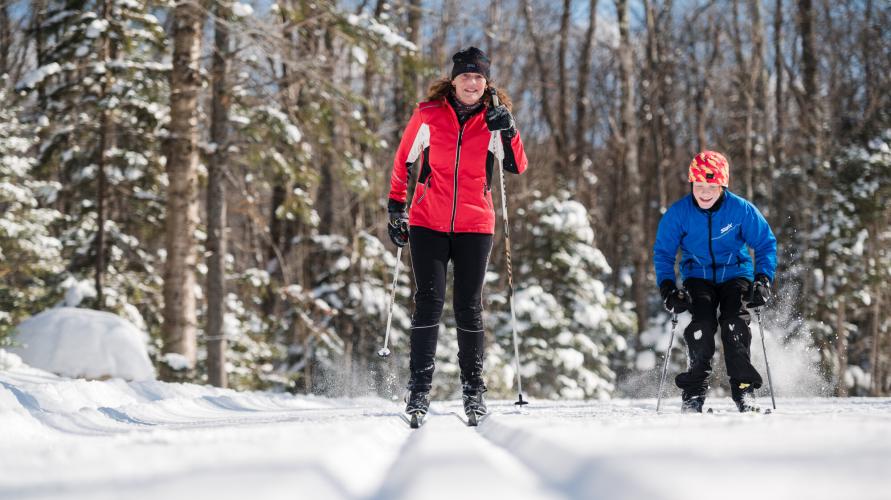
217,172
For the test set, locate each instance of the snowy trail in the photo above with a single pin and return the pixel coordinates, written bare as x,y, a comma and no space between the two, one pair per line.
816,449
75,439
445,459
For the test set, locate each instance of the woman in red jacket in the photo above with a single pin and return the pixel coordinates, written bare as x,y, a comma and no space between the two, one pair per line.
452,218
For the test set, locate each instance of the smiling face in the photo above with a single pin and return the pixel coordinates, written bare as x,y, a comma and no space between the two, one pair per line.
706,194
469,87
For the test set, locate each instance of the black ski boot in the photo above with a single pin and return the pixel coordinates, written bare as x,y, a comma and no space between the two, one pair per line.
692,403
416,406
744,397
474,405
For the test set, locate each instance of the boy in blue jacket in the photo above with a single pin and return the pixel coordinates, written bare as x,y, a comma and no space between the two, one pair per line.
713,227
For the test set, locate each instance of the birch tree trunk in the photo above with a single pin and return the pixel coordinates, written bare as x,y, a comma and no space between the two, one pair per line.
179,329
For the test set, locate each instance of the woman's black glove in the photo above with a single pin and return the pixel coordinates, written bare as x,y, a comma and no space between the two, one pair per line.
499,118
760,293
397,227
675,301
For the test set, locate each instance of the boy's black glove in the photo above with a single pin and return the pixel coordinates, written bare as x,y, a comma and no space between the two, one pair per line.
675,301
397,227
499,118
759,291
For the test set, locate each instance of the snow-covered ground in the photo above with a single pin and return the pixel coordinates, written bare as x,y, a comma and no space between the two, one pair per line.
66,438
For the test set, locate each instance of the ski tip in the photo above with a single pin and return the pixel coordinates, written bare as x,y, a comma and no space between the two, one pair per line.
415,421
710,411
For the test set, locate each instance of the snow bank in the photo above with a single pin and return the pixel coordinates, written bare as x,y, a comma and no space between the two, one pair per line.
84,343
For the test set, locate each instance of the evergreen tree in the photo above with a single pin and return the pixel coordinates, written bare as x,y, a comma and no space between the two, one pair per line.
30,256
571,327
852,240
100,108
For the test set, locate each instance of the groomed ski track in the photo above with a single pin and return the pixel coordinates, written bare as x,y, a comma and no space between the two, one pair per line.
68,439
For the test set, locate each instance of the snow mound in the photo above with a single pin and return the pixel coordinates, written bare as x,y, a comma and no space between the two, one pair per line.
84,343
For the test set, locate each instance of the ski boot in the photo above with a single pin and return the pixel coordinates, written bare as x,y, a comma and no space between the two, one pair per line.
744,397
692,404
474,406
416,406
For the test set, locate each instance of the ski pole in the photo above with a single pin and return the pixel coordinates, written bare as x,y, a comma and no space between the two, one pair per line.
499,154
385,351
674,326
764,347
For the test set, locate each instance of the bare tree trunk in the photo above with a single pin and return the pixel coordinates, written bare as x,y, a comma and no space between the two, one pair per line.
810,125
216,202
415,16
447,19
562,83
702,102
5,38
582,101
748,71
875,324
106,139
759,90
406,82
871,98
841,347
630,159
179,329
811,113
545,84
328,193
779,148
39,9
654,101
492,29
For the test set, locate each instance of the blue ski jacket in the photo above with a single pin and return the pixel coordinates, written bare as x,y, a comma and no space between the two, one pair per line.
713,243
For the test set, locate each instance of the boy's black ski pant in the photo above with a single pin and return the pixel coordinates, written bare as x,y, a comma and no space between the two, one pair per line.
708,299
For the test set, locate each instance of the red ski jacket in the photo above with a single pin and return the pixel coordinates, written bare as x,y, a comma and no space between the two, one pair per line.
454,190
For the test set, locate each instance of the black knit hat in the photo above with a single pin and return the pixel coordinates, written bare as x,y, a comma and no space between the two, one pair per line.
470,60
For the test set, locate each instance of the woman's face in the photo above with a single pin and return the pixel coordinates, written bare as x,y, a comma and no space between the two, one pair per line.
706,194
469,87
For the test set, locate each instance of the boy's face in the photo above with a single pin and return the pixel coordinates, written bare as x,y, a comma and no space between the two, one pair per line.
706,194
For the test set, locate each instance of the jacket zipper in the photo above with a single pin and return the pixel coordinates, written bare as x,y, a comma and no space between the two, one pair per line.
424,192
711,252
455,195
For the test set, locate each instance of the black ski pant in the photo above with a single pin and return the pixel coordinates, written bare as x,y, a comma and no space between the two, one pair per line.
708,297
431,252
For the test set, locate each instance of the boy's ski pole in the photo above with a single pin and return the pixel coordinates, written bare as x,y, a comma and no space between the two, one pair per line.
674,326
763,346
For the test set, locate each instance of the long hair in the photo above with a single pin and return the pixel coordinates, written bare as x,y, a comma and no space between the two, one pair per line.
439,89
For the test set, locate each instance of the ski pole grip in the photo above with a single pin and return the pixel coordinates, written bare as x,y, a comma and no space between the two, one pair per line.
494,93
